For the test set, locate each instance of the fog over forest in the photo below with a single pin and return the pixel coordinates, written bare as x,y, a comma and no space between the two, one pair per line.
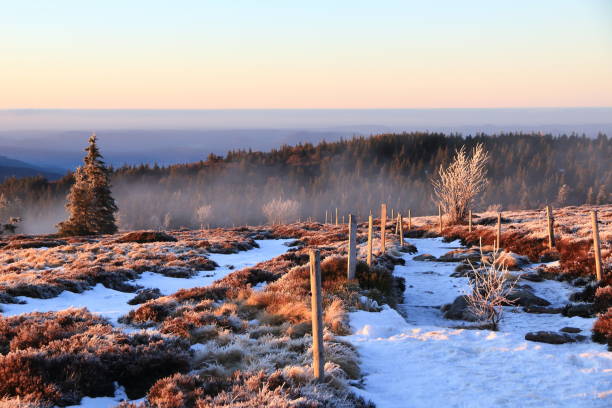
525,171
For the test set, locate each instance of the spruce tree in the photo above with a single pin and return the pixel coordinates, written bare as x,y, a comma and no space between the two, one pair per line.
90,203
103,208
78,205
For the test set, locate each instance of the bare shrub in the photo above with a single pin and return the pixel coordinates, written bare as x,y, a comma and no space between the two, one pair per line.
457,185
279,211
490,289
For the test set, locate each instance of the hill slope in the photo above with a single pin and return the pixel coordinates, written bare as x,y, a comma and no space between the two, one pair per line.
17,168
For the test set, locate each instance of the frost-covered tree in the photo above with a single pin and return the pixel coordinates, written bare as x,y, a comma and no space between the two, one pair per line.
602,195
90,203
563,195
203,214
103,206
280,211
457,185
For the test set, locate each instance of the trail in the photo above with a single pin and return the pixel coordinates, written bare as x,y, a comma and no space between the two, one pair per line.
421,361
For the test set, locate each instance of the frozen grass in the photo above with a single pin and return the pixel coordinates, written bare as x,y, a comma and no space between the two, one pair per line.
245,347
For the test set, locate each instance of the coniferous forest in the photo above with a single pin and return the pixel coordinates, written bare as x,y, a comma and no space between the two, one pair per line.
525,171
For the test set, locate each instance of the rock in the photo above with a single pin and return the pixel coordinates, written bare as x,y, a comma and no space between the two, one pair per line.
524,296
459,310
549,256
460,255
542,310
532,277
581,281
554,337
579,309
512,261
144,295
462,271
570,330
424,257
409,248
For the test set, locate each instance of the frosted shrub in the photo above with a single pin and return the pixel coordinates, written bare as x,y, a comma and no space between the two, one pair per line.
457,185
490,289
279,211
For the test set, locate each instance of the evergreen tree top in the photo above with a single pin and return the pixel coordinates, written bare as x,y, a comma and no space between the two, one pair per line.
93,153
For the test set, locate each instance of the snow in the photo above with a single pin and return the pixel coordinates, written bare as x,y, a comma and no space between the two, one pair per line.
112,304
107,302
423,360
105,402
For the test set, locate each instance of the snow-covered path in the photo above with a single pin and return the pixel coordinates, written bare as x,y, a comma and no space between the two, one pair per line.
420,361
112,304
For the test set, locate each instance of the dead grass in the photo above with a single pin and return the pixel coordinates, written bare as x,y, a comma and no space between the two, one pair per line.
60,357
256,342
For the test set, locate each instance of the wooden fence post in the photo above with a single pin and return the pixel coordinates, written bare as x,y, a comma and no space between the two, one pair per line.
392,214
551,227
596,246
409,220
343,220
383,227
370,222
440,216
352,248
316,305
470,221
336,215
401,230
326,216
498,230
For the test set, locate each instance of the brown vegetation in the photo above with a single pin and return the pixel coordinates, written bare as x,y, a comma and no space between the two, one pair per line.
60,357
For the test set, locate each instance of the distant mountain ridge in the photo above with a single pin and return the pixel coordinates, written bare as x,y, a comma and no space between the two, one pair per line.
17,168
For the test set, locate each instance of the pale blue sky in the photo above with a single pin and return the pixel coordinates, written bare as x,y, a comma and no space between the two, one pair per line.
320,54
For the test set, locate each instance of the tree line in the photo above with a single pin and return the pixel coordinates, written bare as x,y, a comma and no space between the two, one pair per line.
524,170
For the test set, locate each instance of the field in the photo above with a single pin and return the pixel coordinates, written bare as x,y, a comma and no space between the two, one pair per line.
222,317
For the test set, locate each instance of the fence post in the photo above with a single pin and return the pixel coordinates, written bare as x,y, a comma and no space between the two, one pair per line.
470,221
551,227
409,220
352,248
336,215
383,227
440,216
326,216
370,222
401,230
316,305
596,246
498,230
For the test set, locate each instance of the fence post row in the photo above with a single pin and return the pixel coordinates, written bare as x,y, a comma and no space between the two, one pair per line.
352,248
596,245
551,227
383,227
318,362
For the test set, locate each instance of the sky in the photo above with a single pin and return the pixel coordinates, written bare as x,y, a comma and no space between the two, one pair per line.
268,54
